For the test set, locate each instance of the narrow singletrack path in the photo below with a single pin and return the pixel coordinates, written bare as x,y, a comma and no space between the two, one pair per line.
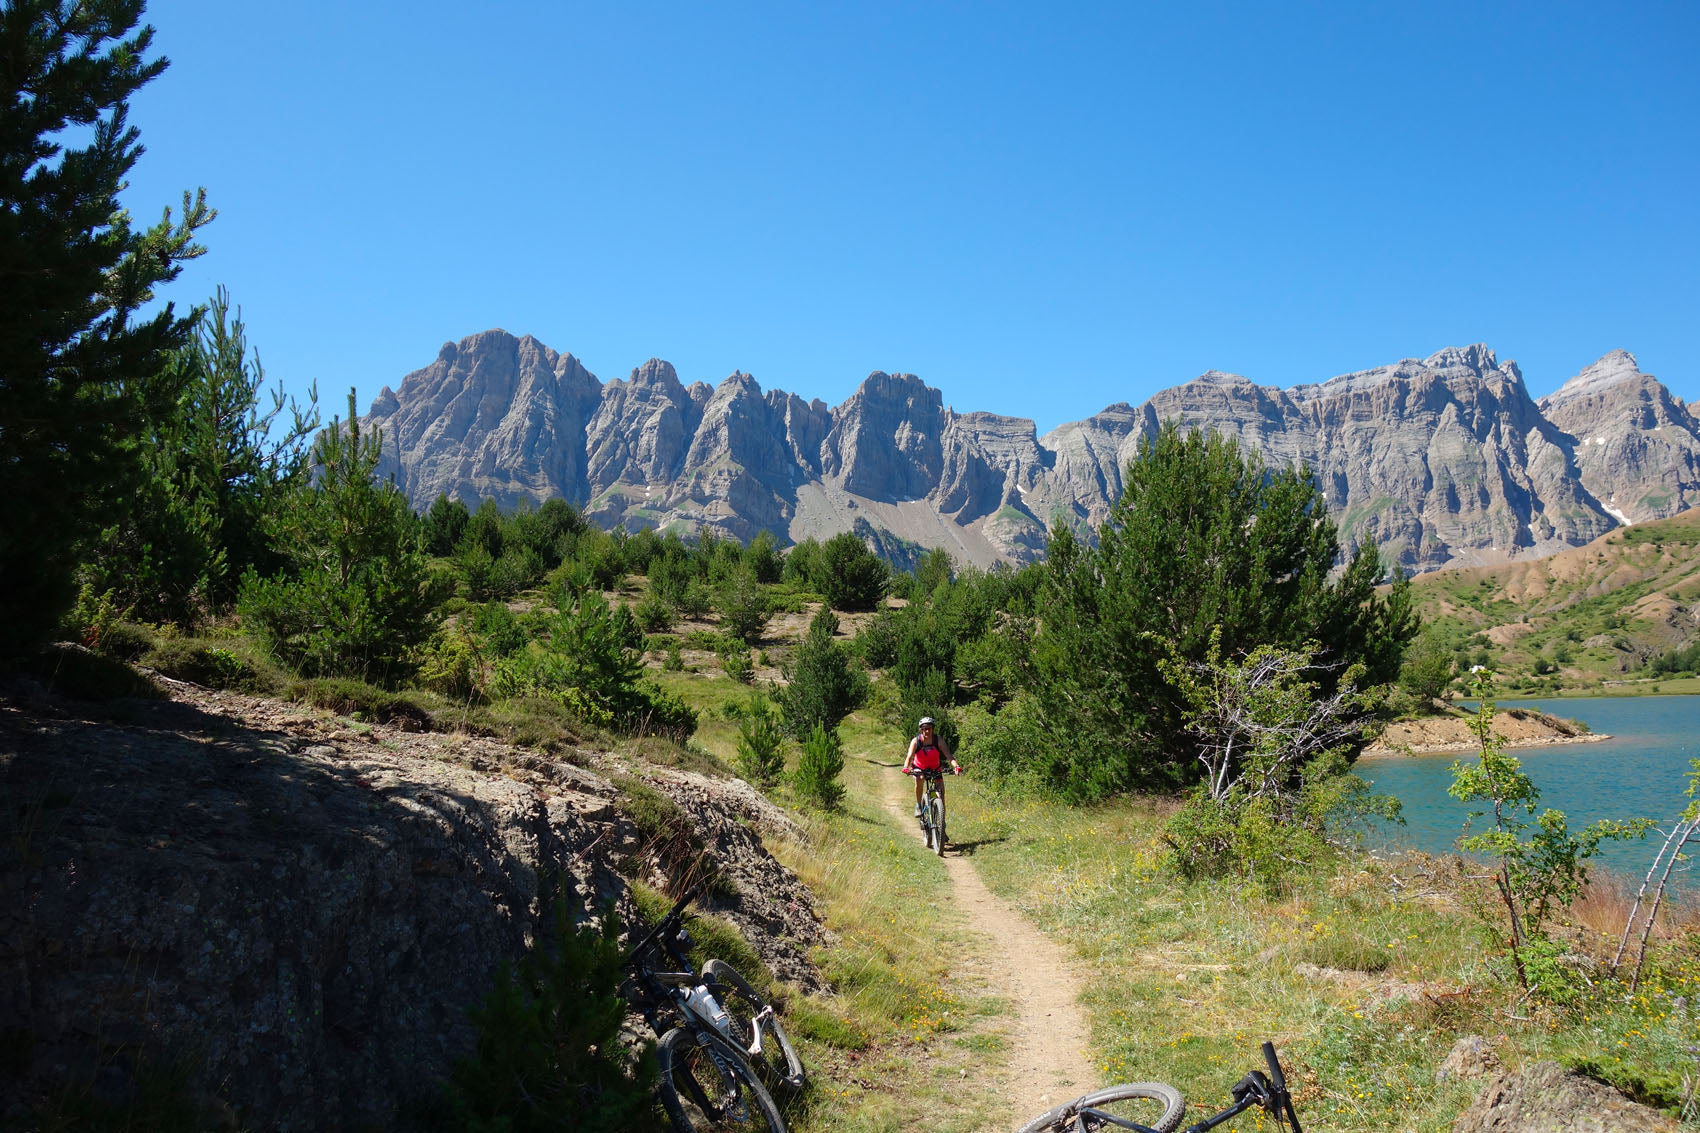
1023,966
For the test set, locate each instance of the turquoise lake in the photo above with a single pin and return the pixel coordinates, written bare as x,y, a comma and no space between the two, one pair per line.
1640,772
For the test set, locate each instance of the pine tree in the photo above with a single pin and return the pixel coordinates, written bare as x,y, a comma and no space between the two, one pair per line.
76,377
822,688
359,594
1205,544
214,469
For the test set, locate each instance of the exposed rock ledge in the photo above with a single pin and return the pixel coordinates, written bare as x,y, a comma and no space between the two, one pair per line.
1521,727
1547,1098
297,912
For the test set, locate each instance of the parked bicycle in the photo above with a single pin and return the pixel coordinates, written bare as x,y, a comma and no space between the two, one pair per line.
932,808
1156,1107
728,1037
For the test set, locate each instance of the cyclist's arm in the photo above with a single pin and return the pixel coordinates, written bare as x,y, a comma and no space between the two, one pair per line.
909,756
947,755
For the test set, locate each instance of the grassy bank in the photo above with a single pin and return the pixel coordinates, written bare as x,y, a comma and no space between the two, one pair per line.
1364,976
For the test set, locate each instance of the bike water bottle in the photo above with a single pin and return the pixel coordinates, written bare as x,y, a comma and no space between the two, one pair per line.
703,1001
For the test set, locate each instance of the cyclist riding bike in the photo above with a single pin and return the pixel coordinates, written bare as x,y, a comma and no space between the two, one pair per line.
928,753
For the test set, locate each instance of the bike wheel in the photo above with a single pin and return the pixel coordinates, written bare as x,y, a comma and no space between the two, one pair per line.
778,1058
1155,1105
938,827
708,1087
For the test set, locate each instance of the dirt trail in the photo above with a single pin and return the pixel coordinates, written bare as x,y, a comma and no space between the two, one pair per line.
1022,965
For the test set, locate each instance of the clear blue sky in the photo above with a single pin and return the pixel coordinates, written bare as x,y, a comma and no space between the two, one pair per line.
1039,209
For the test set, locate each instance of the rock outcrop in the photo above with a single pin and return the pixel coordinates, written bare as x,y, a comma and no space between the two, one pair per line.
1444,461
1547,1098
295,913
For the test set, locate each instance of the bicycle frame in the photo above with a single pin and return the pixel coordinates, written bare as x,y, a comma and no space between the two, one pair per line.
685,988
932,788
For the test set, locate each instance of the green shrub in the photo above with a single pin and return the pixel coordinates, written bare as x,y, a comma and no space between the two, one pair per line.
849,576
82,674
819,766
1016,750
695,601
452,663
761,755
736,663
127,641
822,686
743,605
359,594
501,632
653,614
95,616
347,696
1238,836
587,662
706,640
787,602
215,666
549,1054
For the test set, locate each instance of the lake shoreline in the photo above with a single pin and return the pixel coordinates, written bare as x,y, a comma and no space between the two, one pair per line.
1383,751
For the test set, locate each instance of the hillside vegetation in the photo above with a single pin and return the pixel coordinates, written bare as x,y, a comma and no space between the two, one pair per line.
1614,616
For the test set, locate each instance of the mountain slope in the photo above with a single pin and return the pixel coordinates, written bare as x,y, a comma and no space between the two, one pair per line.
1578,618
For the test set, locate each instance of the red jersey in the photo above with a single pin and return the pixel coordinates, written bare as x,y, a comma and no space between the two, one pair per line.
927,756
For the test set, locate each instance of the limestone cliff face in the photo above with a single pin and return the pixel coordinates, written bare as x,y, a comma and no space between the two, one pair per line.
1444,460
1636,446
494,416
886,442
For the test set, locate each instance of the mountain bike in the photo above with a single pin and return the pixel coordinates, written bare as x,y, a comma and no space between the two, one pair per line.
709,1076
932,807
1156,1107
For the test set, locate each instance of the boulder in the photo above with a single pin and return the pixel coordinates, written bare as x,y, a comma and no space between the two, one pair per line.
1547,1098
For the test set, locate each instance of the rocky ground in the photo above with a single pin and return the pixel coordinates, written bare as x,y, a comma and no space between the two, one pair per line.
293,911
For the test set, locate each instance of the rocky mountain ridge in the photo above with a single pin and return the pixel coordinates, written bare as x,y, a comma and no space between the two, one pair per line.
1446,460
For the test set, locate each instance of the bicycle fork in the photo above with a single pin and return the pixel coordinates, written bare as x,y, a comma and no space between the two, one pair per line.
756,1026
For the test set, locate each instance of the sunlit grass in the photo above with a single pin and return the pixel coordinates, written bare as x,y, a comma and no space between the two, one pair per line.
1364,975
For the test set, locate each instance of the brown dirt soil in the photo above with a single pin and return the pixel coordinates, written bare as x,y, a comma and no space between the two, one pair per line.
1520,728
1046,1065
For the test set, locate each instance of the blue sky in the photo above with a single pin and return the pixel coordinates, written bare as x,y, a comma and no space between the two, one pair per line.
1039,209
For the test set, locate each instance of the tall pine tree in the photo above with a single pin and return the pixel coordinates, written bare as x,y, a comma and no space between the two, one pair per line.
77,378
214,469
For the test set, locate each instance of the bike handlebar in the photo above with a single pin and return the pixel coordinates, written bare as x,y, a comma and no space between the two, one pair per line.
1282,1100
643,945
1275,1074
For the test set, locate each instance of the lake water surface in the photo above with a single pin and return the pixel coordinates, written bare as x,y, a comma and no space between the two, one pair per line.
1640,772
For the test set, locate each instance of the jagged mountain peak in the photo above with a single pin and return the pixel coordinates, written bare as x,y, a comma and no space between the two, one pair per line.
1478,357
1442,459
657,372
1613,368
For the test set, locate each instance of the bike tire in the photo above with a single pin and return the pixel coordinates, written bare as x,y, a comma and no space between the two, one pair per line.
938,827
1131,1102
707,1086
744,1004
